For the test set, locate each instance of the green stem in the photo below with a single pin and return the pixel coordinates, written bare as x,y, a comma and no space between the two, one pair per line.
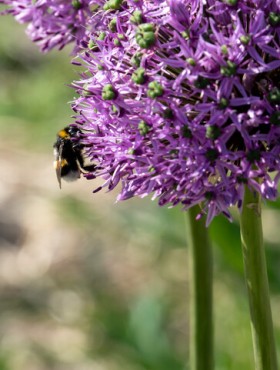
201,323
257,283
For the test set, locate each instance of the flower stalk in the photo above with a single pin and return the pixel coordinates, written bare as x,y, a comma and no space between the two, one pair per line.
201,276
257,282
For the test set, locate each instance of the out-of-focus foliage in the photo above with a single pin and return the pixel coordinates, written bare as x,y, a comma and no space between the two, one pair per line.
86,284
34,91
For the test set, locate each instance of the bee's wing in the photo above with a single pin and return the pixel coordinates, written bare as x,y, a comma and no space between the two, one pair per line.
58,156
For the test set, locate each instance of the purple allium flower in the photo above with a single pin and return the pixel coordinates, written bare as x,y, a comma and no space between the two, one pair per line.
51,23
178,98
181,99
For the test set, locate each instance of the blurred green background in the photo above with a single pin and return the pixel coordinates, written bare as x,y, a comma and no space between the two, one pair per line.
87,284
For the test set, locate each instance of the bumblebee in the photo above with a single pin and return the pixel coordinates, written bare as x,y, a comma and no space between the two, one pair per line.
68,152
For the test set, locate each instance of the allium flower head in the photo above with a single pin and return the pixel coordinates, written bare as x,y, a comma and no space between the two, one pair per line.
181,99
178,98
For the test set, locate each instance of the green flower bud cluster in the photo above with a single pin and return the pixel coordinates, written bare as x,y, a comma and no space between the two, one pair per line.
138,76
229,70
223,103
113,5
245,39
76,4
145,35
274,19
155,90
213,132
137,17
108,92
274,96
143,128
136,59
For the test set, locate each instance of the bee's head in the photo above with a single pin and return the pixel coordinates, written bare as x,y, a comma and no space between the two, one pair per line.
69,132
73,131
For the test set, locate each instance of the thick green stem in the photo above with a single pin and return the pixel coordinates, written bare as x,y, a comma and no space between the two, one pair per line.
257,283
201,276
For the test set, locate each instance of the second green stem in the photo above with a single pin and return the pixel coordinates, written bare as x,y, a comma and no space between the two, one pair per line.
257,283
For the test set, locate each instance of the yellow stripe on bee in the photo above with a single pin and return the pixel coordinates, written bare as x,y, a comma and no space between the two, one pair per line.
63,134
63,162
60,164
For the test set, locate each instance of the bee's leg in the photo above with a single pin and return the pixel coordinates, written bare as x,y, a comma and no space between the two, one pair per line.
87,168
80,158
